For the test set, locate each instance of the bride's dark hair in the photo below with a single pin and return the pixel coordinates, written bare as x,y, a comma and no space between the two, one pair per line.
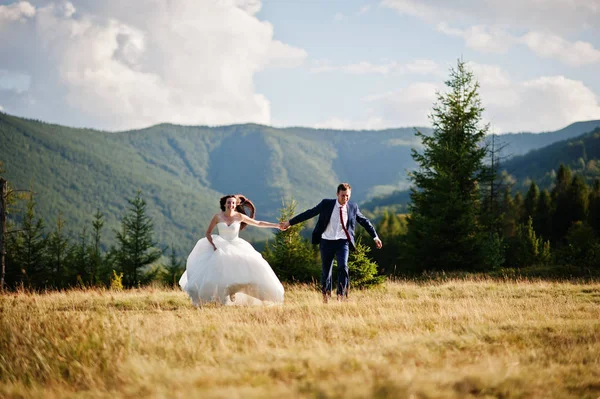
244,206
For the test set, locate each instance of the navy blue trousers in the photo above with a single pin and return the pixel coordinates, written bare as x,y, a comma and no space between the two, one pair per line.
338,249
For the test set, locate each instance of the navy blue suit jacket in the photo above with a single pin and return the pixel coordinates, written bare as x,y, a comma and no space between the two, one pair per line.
324,209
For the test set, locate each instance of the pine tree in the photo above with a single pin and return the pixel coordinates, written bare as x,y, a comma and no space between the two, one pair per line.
526,248
561,219
58,244
292,257
542,220
509,221
98,272
594,208
362,270
30,250
531,202
444,231
173,270
135,249
578,199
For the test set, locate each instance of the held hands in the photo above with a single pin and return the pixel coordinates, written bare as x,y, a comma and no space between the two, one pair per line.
283,226
378,243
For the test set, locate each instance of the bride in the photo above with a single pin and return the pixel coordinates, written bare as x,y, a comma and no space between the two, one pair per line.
225,268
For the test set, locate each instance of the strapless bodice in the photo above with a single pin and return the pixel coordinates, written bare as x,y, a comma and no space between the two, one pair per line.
229,232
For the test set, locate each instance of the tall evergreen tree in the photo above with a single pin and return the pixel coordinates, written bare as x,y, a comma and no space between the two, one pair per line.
135,249
97,271
79,260
444,231
58,244
30,249
509,220
561,219
594,208
542,220
578,199
531,202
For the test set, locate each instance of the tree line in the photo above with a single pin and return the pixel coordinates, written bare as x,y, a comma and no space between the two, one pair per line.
54,258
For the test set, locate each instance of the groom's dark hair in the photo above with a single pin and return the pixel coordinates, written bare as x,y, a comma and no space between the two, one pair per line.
342,187
244,206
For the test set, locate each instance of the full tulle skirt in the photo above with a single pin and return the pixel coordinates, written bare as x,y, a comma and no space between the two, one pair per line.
234,274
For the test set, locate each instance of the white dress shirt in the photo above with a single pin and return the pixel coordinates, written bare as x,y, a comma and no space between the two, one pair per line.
334,230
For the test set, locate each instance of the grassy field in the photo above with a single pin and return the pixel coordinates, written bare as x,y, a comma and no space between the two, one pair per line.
448,339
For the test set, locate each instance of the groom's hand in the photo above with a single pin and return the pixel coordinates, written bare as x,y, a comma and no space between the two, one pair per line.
378,243
283,226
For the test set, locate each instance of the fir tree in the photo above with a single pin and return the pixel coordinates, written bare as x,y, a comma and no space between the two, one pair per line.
542,220
444,231
594,208
135,249
561,218
97,270
292,257
531,202
30,249
173,270
58,244
362,270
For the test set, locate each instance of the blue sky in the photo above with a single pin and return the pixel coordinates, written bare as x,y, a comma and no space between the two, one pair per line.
348,64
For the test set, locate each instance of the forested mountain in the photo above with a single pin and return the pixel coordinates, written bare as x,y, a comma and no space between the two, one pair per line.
581,152
183,170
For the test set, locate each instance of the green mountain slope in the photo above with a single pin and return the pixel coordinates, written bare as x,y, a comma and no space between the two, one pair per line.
581,154
575,145
182,171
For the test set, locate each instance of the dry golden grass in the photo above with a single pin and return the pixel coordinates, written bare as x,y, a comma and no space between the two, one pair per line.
453,339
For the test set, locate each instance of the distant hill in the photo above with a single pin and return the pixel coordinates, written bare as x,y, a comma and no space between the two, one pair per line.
540,156
521,143
581,154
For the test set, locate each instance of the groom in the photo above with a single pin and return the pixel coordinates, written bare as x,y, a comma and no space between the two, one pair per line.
335,234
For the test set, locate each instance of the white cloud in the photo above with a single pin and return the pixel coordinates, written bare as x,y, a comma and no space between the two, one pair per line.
554,15
548,45
535,105
539,104
497,40
409,106
187,62
20,12
418,67
481,38
494,26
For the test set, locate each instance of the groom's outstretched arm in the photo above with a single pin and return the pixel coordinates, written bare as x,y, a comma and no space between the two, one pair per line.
366,223
310,213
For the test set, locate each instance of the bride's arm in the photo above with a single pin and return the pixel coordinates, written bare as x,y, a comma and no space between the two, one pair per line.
258,223
211,226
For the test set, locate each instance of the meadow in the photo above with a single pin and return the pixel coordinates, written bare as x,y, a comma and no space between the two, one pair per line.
444,339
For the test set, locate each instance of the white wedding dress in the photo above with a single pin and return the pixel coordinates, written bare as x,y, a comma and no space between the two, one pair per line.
234,274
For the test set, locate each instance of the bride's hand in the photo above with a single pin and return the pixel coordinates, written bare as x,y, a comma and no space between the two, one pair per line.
215,247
